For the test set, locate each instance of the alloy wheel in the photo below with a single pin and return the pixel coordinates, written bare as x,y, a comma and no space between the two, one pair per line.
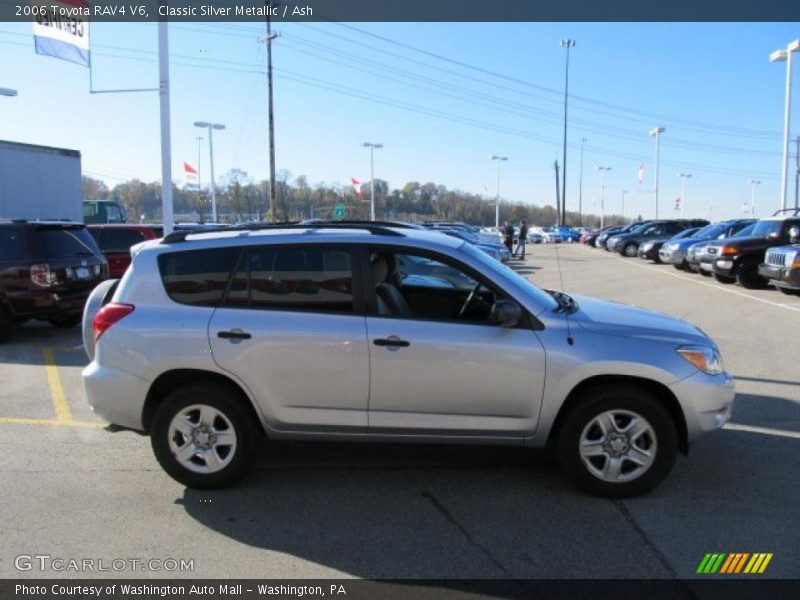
618,446
202,438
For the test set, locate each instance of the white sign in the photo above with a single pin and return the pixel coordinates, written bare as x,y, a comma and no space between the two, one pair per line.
61,29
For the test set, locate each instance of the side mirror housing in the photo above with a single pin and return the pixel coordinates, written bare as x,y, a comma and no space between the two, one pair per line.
506,313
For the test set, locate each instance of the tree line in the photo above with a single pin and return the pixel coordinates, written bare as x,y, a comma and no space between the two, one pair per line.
239,198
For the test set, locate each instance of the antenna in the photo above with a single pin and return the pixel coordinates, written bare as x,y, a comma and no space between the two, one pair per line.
570,341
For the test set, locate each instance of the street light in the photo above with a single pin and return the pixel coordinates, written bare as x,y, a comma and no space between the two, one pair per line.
753,183
624,193
372,148
497,190
563,214
684,177
781,56
656,132
211,127
200,139
580,186
8,92
604,171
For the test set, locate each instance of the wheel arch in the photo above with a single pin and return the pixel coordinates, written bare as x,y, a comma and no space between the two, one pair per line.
173,379
661,392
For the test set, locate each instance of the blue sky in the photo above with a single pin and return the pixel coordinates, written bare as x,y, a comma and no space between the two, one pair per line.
711,85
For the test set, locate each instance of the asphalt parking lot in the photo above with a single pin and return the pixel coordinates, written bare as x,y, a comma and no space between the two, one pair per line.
72,489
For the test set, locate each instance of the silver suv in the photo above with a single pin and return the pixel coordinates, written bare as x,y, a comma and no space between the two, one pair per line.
213,341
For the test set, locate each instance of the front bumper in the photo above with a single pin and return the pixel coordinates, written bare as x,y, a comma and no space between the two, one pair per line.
784,277
673,257
48,302
707,402
725,266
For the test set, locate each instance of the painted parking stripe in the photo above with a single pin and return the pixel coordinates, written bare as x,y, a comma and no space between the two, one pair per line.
52,423
765,430
60,404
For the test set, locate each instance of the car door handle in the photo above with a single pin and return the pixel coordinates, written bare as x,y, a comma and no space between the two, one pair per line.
391,342
234,334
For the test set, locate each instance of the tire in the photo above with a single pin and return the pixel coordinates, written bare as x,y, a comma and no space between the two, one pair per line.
680,266
704,273
657,442
65,321
724,279
6,324
225,413
788,291
748,277
630,250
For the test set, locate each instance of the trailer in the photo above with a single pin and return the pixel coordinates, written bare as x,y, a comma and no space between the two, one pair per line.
40,182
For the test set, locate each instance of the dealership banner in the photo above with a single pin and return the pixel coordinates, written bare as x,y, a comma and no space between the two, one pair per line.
61,29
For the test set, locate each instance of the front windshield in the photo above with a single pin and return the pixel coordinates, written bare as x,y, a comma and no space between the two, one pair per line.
711,231
746,232
539,295
764,228
686,233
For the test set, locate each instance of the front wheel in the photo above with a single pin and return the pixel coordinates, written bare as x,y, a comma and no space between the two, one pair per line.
630,250
204,436
618,442
748,276
724,279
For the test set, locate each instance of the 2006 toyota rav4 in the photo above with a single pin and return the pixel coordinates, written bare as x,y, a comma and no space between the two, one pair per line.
213,341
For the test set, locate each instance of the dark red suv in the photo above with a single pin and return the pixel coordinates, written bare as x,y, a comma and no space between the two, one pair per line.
115,241
47,270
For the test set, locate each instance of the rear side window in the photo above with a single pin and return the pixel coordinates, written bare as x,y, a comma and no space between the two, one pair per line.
197,277
117,240
66,242
12,244
305,279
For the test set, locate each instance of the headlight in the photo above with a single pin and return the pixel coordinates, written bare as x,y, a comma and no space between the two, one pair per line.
671,247
612,240
647,246
707,359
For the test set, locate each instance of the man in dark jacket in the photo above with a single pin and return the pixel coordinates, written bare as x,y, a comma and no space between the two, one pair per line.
508,233
523,238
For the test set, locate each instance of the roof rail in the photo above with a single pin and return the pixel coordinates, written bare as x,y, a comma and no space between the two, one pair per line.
794,211
369,226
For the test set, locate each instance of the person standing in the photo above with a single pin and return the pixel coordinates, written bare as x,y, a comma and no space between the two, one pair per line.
508,233
523,239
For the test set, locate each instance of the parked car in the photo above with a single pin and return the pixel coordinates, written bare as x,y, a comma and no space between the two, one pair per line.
738,260
103,211
590,237
315,336
674,253
627,244
698,260
47,270
602,238
568,234
495,250
649,250
781,266
115,242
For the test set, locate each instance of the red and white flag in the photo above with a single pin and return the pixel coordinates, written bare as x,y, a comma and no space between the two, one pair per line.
641,174
190,175
677,203
356,185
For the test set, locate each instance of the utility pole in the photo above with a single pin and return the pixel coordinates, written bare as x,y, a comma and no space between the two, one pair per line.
268,41
656,132
786,56
753,184
624,193
563,216
372,148
797,175
558,193
580,186
684,177
499,159
604,171
166,145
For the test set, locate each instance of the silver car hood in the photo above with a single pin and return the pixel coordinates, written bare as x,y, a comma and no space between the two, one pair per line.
625,320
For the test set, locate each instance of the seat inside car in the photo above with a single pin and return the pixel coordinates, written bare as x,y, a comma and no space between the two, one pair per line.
389,299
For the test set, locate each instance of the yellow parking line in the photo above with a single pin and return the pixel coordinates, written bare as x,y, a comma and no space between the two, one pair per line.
63,412
51,423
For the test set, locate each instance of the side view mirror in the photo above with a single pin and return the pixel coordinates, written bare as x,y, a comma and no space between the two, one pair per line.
794,235
505,313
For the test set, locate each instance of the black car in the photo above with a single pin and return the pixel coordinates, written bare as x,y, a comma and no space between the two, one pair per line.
47,270
649,250
602,237
738,259
627,244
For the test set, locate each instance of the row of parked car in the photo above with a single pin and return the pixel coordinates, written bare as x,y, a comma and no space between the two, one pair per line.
753,253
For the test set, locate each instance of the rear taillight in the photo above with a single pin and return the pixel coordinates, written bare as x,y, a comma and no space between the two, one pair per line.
109,315
40,275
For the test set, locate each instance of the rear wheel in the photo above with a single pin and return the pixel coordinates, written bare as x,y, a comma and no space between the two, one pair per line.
618,442
748,276
630,250
204,436
724,278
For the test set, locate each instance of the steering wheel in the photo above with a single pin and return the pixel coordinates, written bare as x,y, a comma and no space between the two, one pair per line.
469,300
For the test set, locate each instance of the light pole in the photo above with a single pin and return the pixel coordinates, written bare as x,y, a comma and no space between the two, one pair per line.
684,177
781,56
580,186
563,215
624,193
8,92
497,158
211,127
656,132
753,183
372,148
604,171
199,139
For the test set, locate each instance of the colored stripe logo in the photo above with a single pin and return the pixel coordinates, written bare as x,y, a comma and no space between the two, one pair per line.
735,562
